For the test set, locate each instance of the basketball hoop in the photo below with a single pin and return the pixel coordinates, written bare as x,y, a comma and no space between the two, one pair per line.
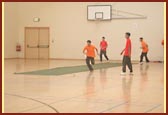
97,20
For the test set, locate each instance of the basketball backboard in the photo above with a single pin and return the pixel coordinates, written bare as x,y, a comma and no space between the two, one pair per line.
99,12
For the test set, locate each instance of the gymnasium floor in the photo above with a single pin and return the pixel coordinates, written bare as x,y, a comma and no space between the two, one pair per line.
102,91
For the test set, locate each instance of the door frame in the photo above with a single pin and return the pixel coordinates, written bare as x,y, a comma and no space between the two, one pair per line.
38,39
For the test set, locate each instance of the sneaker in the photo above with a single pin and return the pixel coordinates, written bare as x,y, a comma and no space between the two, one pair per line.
123,73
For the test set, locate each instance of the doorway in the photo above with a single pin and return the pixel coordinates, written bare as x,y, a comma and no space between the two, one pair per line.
36,42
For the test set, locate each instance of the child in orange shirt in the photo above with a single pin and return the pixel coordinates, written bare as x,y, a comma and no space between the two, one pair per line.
144,51
89,50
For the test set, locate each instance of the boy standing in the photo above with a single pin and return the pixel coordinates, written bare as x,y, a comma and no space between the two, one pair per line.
89,50
127,55
103,47
144,48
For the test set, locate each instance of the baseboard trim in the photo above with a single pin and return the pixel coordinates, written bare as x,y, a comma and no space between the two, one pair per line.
137,61
64,59
11,58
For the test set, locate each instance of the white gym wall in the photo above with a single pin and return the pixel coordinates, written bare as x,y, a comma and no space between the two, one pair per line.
69,28
11,30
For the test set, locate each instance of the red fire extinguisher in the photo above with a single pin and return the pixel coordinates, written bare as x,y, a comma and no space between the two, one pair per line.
18,47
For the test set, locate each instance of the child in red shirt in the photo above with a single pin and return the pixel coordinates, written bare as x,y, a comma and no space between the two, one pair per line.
103,47
127,55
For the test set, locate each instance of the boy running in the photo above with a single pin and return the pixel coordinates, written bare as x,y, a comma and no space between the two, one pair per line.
89,50
144,48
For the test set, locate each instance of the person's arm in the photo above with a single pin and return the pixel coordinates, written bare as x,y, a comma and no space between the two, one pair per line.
97,51
122,51
124,48
129,51
129,48
142,46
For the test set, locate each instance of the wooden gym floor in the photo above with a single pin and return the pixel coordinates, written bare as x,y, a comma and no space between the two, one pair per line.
103,91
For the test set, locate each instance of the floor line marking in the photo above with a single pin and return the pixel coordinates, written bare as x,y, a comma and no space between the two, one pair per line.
61,100
114,106
33,100
156,106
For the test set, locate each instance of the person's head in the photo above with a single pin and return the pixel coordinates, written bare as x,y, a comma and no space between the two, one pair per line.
103,38
141,39
89,42
127,35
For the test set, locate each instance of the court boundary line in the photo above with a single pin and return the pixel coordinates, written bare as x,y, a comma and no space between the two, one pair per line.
52,103
114,106
33,100
63,100
154,107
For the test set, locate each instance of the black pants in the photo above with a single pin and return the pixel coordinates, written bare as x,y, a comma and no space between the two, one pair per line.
88,60
103,53
142,55
126,62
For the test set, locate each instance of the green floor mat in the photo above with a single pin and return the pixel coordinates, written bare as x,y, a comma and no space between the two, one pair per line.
69,70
